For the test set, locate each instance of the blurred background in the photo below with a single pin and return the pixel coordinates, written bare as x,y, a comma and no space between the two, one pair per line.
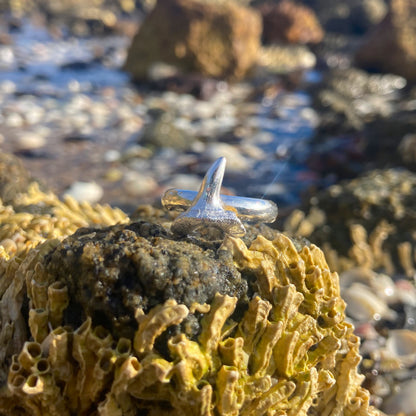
116,101
313,103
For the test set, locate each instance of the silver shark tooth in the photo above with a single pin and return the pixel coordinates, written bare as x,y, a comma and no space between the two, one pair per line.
207,209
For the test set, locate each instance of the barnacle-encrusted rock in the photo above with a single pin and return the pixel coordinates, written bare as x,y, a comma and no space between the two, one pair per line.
126,320
113,271
368,221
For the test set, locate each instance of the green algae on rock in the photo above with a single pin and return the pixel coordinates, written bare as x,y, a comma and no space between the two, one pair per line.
126,320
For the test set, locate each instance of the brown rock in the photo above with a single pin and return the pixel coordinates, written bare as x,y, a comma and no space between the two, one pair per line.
290,22
390,47
215,39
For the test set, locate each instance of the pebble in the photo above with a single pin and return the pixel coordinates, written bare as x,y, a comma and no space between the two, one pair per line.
235,160
113,175
364,305
402,400
85,191
14,120
189,182
30,141
401,345
112,155
138,185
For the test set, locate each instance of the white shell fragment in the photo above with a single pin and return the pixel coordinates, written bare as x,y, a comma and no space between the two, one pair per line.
401,346
364,305
85,191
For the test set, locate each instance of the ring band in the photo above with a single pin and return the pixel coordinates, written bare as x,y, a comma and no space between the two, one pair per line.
208,209
250,210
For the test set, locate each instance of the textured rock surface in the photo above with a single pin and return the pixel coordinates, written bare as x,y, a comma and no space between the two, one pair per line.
349,98
368,221
125,320
390,46
290,22
112,272
217,39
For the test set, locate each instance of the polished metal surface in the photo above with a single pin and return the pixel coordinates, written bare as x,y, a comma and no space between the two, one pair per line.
207,208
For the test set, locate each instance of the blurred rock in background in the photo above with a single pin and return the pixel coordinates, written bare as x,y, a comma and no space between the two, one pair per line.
219,39
390,47
289,22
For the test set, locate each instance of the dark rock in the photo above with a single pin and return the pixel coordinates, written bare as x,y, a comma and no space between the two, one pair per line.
77,138
390,47
384,135
77,66
383,200
197,85
348,16
214,39
111,272
290,22
348,99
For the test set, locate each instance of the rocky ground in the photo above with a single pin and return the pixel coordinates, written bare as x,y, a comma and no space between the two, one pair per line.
318,104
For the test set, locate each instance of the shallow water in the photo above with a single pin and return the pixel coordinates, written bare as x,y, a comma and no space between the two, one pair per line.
75,87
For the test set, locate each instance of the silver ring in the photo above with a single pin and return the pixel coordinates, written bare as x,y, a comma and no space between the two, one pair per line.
207,208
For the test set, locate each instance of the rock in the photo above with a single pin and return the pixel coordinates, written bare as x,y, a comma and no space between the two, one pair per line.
151,269
235,160
85,191
285,58
395,34
348,99
128,319
407,149
366,222
162,132
218,39
348,16
138,185
291,22
402,401
384,136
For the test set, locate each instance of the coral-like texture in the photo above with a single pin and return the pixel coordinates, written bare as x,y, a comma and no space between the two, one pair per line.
269,337
366,222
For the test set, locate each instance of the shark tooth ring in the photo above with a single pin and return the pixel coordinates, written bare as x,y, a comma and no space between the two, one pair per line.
208,209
